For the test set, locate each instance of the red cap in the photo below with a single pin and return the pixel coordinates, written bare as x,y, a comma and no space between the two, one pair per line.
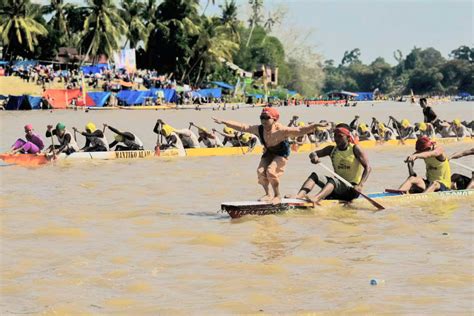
271,112
28,127
423,143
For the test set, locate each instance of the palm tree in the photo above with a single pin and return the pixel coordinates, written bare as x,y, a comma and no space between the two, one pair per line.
256,18
58,22
176,27
132,15
20,28
102,28
213,47
229,19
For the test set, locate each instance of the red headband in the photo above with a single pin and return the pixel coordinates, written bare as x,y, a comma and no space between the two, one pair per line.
346,132
271,112
423,143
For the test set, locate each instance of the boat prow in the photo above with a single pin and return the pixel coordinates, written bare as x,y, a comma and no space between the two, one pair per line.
241,208
25,159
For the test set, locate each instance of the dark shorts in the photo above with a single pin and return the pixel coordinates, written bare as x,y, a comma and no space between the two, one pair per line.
341,190
441,188
461,181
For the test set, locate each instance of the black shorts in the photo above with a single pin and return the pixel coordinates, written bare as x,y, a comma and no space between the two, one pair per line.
460,181
341,190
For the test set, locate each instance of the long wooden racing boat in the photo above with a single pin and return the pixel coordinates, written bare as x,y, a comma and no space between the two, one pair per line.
241,208
32,160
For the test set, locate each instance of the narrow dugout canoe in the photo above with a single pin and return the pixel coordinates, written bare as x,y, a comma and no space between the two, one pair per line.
241,208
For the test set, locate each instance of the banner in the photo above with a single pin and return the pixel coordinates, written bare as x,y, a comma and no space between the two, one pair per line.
125,59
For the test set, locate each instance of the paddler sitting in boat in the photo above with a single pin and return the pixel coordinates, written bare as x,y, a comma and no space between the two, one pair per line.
348,160
382,132
129,140
95,139
438,170
362,129
172,140
459,181
210,140
230,135
425,129
67,144
249,140
459,129
403,128
274,138
33,144
186,136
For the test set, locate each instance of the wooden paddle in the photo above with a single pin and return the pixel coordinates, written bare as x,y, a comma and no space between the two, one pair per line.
374,203
52,145
158,141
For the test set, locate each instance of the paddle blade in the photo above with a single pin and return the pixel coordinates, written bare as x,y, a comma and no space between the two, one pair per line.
373,202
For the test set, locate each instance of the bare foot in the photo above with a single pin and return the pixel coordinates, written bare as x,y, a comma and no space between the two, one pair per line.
265,198
276,200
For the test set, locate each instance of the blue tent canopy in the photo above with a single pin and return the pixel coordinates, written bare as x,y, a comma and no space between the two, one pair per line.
364,96
170,94
464,94
24,64
210,93
94,69
34,102
23,102
100,98
14,102
256,96
292,92
223,85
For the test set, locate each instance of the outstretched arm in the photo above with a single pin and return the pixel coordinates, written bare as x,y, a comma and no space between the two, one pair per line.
460,154
300,131
237,126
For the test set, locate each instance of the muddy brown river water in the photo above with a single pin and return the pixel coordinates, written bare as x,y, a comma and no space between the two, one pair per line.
145,237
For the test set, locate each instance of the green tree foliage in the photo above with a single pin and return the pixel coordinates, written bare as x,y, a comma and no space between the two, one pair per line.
463,53
172,37
425,71
132,13
20,27
176,28
102,28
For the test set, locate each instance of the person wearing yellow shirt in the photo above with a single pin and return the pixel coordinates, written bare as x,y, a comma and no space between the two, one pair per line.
438,170
348,160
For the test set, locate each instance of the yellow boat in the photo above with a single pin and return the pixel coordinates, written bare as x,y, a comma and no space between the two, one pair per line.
306,148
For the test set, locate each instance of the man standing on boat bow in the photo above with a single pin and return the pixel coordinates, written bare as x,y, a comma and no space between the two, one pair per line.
349,161
274,138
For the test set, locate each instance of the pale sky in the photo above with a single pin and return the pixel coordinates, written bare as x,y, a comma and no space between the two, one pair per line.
376,27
